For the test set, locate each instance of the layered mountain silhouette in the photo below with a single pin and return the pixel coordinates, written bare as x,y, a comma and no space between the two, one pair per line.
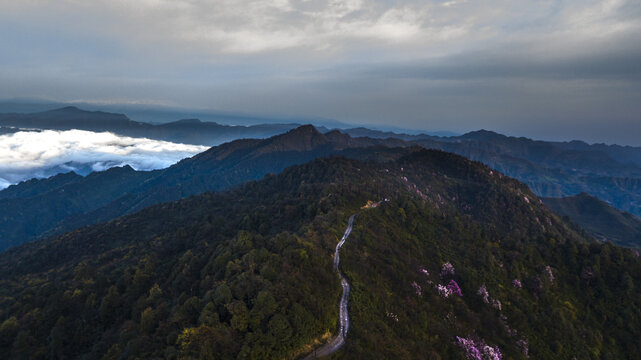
41,207
38,208
550,169
190,131
459,260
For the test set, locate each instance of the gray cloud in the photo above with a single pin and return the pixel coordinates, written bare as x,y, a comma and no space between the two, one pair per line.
28,154
511,66
617,64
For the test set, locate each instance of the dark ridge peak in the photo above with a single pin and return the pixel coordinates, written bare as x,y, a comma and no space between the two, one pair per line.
482,135
304,129
187,121
421,152
75,112
68,109
334,132
113,171
443,160
65,175
125,167
301,132
337,136
302,138
585,197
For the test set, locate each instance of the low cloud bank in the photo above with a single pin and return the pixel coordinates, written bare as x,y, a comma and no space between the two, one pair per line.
28,154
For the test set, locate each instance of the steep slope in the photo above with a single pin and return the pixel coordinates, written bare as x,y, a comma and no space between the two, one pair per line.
34,187
599,218
34,207
248,273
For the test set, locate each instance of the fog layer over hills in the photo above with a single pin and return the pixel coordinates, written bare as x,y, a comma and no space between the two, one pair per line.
28,154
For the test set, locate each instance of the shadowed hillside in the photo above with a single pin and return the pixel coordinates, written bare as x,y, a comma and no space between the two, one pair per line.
599,218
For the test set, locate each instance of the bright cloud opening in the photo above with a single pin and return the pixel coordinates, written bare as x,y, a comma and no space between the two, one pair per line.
28,154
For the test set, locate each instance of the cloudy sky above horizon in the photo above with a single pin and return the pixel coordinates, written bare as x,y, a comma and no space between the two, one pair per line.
542,69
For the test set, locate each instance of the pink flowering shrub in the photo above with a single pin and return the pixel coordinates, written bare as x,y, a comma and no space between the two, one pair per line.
496,304
454,288
517,283
417,288
478,350
446,291
468,345
482,292
491,353
443,291
447,270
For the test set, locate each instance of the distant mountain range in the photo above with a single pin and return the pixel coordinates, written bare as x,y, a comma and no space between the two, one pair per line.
61,203
551,169
189,131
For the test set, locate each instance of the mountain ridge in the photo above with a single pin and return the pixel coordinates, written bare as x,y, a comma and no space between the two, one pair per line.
248,272
247,159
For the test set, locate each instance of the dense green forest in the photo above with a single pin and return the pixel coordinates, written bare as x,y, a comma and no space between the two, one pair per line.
460,258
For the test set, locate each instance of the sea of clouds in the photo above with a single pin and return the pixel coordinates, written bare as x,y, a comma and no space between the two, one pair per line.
38,154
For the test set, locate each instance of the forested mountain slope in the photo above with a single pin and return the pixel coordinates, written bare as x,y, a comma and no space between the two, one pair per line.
33,207
461,259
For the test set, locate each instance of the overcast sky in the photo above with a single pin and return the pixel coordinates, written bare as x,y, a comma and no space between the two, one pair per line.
542,69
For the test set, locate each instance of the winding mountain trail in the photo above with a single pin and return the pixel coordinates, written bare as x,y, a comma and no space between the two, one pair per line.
339,340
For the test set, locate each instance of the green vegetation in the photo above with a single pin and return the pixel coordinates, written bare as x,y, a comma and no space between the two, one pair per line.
247,274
